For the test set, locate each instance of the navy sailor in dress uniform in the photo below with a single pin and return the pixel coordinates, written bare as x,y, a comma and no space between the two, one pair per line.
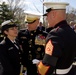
60,48
32,41
10,52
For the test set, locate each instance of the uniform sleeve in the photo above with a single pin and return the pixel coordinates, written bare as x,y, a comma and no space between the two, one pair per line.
54,44
7,67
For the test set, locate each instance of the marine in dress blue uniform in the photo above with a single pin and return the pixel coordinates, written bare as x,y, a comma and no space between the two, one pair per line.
33,42
60,48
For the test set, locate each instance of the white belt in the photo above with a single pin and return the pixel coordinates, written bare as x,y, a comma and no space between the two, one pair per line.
63,71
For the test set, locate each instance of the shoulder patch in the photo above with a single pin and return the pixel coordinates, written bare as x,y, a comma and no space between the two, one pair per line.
49,48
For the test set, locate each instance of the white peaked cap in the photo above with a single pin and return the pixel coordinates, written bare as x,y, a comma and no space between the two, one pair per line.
55,5
31,16
5,22
33,13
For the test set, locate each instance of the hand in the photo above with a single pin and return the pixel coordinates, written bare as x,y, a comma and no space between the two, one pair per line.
35,61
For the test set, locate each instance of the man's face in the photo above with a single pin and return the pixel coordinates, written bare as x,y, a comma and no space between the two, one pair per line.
33,25
50,18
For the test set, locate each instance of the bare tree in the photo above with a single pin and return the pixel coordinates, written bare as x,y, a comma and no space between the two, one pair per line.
16,9
71,14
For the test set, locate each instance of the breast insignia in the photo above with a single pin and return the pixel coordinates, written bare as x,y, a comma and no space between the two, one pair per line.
40,40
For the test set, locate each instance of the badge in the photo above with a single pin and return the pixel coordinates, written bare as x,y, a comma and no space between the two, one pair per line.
23,38
38,49
49,48
40,40
30,41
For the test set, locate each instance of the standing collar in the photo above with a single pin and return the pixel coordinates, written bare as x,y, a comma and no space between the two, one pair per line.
8,40
63,22
13,41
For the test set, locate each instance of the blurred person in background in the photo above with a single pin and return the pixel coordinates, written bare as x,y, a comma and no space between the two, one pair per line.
41,27
71,24
75,27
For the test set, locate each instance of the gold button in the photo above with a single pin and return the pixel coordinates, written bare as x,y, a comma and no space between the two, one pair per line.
29,51
29,45
1,35
35,31
20,63
19,53
20,58
30,39
31,34
22,41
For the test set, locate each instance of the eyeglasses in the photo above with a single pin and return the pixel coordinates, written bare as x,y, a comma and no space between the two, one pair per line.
13,28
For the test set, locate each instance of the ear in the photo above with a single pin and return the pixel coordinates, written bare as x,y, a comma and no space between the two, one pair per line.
6,32
54,14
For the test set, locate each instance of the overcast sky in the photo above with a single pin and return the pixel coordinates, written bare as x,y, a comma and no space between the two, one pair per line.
32,3
36,5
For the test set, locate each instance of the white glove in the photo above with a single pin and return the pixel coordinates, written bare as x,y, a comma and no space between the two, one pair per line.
35,61
25,73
